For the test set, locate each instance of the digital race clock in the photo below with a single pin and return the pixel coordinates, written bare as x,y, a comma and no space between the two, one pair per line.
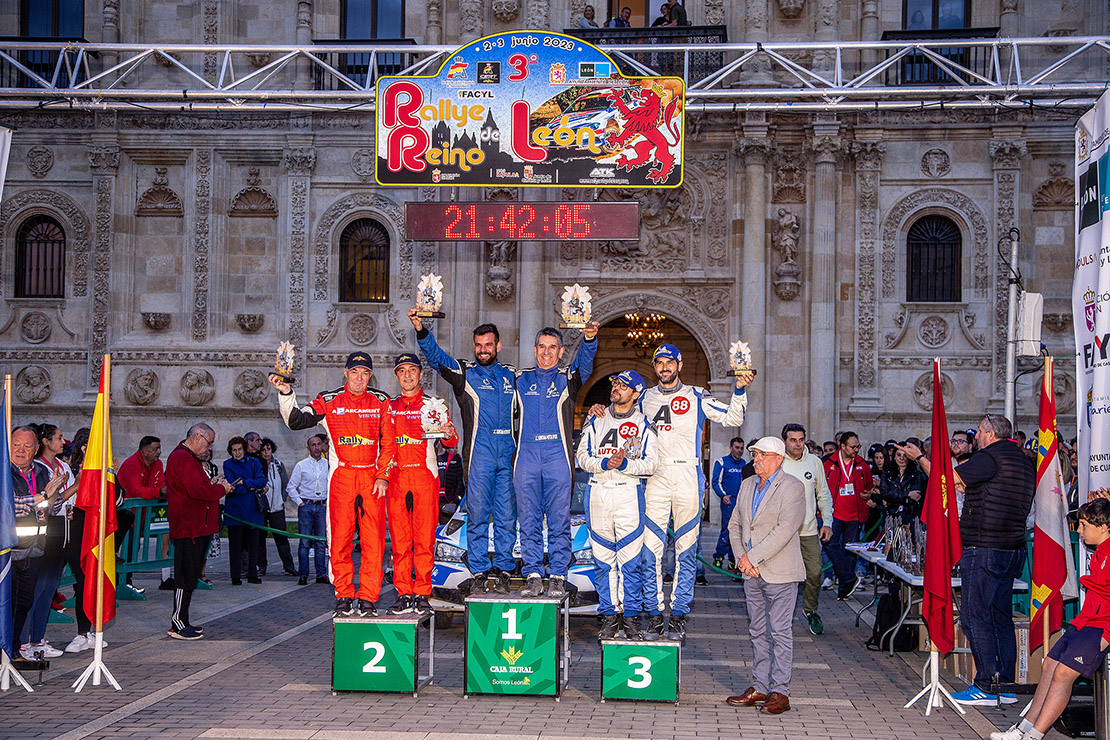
503,221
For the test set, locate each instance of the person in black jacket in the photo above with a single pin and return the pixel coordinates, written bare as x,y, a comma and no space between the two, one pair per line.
998,483
902,487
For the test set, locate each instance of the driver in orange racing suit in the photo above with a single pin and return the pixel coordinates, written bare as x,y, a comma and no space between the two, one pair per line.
361,447
413,498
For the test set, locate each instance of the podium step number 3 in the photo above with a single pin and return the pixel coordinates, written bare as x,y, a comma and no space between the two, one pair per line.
381,654
640,671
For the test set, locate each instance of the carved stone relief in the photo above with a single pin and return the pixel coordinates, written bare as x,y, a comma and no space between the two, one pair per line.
785,240
299,160
362,329
39,160
1057,192
253,200
156,320
868,156
499,285
197,387
77,232
251,387
249,323
789,183
362,162
1059,323
470,19
141,386
506,11
936,163
714,12
791,8
202,208
663,245
35,327
1063,388
159,199
33,384
1006,158
933,332
297,259
923,391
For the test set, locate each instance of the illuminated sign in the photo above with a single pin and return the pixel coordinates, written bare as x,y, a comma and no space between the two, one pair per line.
503,221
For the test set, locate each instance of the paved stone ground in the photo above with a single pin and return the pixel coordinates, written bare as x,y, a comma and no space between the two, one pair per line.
263,670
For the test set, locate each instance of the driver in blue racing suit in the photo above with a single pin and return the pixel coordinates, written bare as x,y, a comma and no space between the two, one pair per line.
486,396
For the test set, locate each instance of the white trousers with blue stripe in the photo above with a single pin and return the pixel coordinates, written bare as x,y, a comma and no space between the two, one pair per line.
615,514
674,491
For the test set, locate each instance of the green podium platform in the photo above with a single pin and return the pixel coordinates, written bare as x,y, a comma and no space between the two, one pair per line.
516,645
640,671
381,654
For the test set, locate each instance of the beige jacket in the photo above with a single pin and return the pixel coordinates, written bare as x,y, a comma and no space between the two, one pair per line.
775,548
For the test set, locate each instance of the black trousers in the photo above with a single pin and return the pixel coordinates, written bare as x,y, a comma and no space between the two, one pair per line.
189,554
73,557
275,520
242,536
25,573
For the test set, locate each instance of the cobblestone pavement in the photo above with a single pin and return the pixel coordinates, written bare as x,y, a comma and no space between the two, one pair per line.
263,670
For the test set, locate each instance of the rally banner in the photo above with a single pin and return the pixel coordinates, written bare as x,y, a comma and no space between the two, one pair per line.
529,108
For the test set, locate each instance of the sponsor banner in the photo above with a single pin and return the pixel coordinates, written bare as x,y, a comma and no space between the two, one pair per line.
647,671
529,108
512,647
374,655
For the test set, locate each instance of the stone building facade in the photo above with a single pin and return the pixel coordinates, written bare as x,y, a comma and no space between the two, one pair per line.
195,243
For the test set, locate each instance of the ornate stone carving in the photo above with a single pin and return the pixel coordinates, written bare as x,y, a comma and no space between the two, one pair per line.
1063,388
39,160
156,320
362,329
936,163
362,162
958,202
103,159
399,333
789,184
786,283
682,307
77,233
202,209
470,19
141,386
160,199
323,240
499,286
904,362
35,327
1007,154
249,323
304,14
102,264
868,157
1057,192
253,200
33,384
933,332
1058,323
110,15
791,8
297,260
752,151
714,12
197,387
210,20
259,59
923,390
299,160
251,387
506,11
664,244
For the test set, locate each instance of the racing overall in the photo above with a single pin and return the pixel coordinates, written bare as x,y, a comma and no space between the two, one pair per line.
413,498
361,449
486,399
678,415
542,475
615,505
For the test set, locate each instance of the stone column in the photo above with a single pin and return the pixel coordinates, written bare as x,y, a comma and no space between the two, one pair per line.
1008,19
823,398
304,39
753,150
471,13
758,69
866,402
104,162
1006,151
869,29
535,310
433,11
828,30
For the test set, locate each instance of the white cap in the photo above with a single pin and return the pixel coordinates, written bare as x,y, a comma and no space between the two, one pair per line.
772,445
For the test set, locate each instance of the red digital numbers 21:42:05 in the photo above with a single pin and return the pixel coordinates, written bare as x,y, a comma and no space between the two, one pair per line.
538,221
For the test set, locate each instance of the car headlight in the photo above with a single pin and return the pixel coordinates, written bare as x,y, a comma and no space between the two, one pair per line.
584,556
449,553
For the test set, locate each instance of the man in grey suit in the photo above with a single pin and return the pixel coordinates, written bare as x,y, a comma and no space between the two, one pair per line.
763,531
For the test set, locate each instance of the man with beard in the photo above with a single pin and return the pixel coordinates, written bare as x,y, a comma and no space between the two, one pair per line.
485,391
679,413
543,471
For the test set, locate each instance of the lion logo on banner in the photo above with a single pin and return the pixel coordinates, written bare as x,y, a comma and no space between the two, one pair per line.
649,132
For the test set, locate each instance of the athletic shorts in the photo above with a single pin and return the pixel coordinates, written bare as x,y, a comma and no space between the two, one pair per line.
1081,650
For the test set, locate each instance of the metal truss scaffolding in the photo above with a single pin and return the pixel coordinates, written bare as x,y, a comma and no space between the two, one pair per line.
966,73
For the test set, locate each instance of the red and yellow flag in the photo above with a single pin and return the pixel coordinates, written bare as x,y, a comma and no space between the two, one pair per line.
99,503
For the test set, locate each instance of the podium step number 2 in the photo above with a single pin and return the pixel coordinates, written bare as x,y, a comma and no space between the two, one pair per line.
381,654
643,671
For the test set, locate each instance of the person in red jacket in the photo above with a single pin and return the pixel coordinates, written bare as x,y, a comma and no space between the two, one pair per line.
850,483
413,498
194,518
1081,649
360,427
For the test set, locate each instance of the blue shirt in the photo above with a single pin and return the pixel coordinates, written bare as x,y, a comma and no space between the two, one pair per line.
760,492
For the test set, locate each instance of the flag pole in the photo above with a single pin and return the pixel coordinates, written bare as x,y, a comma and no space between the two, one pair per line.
97,667
7,670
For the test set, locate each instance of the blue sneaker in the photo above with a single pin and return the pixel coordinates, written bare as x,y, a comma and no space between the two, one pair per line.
975,697
1008,698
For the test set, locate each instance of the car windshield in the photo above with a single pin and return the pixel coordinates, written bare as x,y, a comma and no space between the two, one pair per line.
593,102
578,495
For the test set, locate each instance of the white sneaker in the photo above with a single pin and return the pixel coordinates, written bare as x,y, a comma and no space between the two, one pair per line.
79,644
47,649
827,584
1011,734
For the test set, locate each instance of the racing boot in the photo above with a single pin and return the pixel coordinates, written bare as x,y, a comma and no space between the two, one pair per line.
344,608
500,582
479,584
420,605
656,627
630,626
533,586
557,587
676,630
608,629
401,605
365,608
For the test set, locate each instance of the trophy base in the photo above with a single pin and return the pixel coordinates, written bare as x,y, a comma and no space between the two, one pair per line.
573,325
735,373
284,378
431,314
434,435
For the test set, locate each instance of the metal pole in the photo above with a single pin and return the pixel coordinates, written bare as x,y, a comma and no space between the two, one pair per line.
1102,701
1011,327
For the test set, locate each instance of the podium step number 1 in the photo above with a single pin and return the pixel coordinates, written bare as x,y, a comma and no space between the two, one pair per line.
381,654
640,671
516,645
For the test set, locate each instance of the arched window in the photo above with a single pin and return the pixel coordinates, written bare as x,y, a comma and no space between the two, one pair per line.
364,262
933,248
40,259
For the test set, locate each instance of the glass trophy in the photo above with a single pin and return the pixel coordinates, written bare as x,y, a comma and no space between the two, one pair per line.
429,297
575,307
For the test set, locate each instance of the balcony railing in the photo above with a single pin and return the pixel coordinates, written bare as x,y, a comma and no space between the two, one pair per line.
363,67
56,63
692,64
945,65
